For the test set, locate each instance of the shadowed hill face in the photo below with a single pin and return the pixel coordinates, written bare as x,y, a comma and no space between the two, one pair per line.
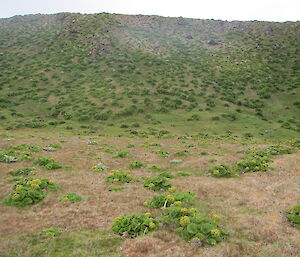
177,72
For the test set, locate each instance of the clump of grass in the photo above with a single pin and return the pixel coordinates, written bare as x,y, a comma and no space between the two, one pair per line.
10,156
23,172
71,197
134,225
222,171
157,183
29,147
136,165
293,215
48,163
154,168
116,189
183,173
119,176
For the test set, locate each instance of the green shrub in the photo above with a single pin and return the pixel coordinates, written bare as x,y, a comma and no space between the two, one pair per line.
24,195
23,172
296,143
71,197
253,164
222,171
37,183
157,183
136,165
294,215
48,163
134,225
154,168
175,199
205,229
119,176
10,156
166,174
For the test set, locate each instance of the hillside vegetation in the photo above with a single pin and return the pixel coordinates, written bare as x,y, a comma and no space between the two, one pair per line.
108,71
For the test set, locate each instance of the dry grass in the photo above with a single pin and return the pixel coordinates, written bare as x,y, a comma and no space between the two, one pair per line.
252,206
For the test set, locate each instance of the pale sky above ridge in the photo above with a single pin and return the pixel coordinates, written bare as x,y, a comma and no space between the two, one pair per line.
263,10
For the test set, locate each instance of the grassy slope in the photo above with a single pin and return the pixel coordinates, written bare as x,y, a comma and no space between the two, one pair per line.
113,69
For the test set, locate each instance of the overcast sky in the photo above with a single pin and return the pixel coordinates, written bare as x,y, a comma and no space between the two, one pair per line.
265,10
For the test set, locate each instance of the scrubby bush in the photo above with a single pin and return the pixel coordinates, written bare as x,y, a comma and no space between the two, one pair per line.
294,215
25,195
158,183
162,154
100,167
205,229
71,197
122,154
10,156
37,183
222,171
48,163
119,176
23,172
134,225
254,164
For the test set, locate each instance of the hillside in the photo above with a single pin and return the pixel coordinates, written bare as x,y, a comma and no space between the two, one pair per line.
145,136
103,68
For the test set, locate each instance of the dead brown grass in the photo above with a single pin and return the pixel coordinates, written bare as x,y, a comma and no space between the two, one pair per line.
252,206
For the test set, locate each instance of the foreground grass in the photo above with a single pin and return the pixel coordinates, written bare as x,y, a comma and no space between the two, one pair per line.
251,207
74,243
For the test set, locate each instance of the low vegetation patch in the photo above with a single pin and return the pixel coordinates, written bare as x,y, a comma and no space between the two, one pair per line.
71,197
136,165
157,183
23,172
222,171
119,176
254,164
134,225
294,215
167,200
29,191
48,163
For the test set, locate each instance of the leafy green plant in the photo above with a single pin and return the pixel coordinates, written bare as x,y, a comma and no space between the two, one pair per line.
136,165
166,174
71,197
23,172
10,156
119,176
52,231
48,163
254,164
25,195
154,168
37,183
294,215
157,183
134,225
222,171
29,147
175,199
205,229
